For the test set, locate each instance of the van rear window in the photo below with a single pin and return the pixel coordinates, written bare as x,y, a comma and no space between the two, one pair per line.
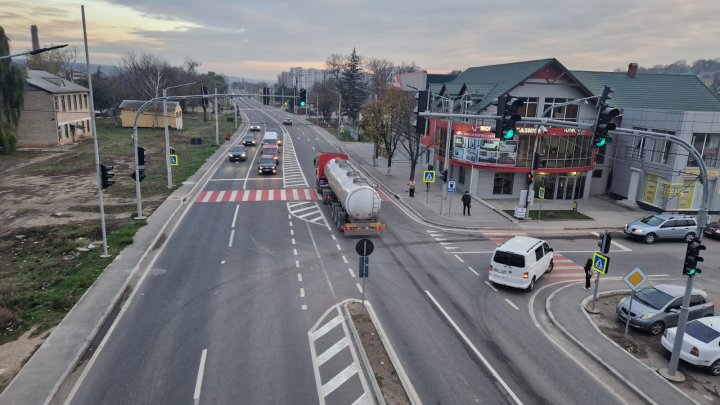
510,259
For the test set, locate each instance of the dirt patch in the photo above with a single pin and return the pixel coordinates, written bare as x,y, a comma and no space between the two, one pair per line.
648,350
385,374
13,355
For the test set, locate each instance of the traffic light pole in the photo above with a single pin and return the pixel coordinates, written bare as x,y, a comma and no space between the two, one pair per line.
680,332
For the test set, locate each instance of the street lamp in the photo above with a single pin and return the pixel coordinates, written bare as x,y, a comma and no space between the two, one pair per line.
34,52
167,132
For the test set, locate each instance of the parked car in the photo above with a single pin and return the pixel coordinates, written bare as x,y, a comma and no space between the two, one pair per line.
266,164
237,153
287,121
700,345
255,126
712,230
663,226
249,140
658,307
521,261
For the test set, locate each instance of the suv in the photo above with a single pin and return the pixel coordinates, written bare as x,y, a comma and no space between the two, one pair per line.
658,307
237,153
663,226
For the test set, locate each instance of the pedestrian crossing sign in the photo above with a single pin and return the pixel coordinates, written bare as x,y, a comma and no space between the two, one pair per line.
428,176
600,263
174,160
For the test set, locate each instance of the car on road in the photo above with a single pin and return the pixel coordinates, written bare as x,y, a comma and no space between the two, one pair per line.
520,262
255,126
272,151
712,230
287,121
266,164
249,140
657,307
663,226
237,153
700,344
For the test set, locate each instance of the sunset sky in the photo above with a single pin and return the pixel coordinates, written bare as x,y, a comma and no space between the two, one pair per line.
259,39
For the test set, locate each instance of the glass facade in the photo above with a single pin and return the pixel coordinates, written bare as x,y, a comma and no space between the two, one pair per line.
708,146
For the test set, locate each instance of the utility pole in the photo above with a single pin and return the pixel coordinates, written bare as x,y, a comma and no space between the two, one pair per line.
217,124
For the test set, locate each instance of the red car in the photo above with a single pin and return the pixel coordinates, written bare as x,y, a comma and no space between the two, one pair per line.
271,150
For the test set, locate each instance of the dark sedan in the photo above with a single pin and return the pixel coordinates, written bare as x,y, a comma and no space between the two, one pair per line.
712,230
237,153
249,140
266,164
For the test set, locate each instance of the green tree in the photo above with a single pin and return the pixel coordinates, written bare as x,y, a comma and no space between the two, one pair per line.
12,96
351,85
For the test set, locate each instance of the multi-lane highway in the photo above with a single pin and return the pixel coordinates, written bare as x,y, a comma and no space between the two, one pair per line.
239,306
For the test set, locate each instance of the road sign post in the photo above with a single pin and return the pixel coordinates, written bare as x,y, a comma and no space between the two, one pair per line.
633,279
428,177
600,265
364,247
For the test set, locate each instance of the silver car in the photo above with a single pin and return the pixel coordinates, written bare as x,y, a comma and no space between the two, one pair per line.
663,226
658,307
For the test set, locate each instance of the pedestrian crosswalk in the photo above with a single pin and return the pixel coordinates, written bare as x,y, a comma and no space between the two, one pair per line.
501,236
284,194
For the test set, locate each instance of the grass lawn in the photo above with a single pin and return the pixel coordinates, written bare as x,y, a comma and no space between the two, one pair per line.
549,215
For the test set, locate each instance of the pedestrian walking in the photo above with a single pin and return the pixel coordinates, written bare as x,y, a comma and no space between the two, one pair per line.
588,273
411,187
466,199
374,159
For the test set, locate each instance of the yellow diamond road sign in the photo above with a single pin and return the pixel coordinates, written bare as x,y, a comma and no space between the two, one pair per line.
635,278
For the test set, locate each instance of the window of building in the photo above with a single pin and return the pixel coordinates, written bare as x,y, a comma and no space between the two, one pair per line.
708,145
503,183
530,107
85,101
564,112
597,174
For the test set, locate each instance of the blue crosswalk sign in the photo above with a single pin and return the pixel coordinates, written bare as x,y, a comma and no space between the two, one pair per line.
428,176
174,160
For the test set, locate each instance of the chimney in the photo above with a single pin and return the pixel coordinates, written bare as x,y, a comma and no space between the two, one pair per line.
35,39
632,70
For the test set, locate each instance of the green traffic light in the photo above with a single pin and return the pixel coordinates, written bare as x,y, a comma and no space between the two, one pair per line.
691,272
600,142
509,134
302,104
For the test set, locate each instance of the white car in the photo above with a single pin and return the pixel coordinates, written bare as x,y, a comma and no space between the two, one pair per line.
255,126
701,343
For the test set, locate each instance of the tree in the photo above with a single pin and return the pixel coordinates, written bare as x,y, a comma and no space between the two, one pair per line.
351,83
60,62
380,71
327,98
147,74
12,96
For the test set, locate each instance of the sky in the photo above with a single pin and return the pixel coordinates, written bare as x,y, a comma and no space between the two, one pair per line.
259,39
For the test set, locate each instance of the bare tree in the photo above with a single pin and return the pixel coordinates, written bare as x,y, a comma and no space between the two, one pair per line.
148,74
406,68
60,62
380,70
335,64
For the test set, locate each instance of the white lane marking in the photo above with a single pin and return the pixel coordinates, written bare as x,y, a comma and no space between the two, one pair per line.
233,195
283,195
289,216
473,270
333,350
345,259
511,304
339,380
307,194
446,243
362,400
303,307
293,241
258,195
299,277
327,327
295,194
333,236
199,380
450,247
475,350
458,257
359,287
431,231
207,196
292,232
222,262
297,263
708,398
271,195
232,236
302,292
621,246
491,286
352,274
473,252
338,247
440,239
295,252
237,208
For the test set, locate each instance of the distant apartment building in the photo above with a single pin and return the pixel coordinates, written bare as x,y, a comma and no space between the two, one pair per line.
302,78
56,112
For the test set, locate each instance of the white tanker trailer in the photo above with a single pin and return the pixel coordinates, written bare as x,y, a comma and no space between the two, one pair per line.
354,203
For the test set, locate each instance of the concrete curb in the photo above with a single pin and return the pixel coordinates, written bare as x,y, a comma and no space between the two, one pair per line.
361,349
624,292
594,356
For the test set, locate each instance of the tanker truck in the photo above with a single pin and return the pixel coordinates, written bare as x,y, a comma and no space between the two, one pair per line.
354,203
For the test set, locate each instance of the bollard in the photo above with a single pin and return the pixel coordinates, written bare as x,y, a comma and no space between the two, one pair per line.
227,136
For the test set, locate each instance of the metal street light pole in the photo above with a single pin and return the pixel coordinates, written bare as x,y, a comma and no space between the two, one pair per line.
167,133
35,52
217,124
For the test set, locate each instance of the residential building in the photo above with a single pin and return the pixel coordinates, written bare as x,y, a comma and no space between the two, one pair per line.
302,78
152,115
56,112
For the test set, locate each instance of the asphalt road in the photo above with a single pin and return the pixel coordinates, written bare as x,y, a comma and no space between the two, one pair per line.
232,310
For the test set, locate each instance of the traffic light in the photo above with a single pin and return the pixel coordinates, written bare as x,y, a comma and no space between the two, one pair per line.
508,116
443,175
603,124
604,244
422,105
538,161
303,96
266,95
529,178
692,257
141,156
141,171
106,175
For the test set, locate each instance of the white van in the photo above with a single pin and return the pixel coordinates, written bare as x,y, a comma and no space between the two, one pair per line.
271,138
520,262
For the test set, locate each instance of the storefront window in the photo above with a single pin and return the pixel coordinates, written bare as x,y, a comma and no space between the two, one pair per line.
503,183
708,146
